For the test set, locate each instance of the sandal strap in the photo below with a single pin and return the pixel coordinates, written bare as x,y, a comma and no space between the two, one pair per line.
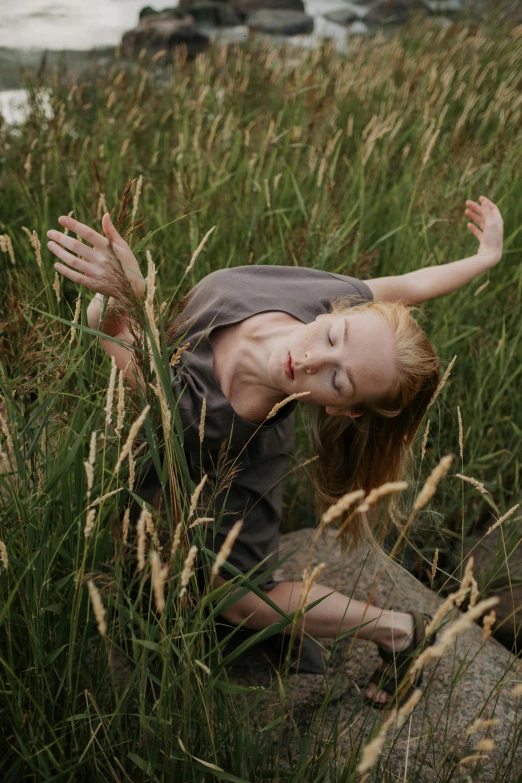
384,680
400,660
395,665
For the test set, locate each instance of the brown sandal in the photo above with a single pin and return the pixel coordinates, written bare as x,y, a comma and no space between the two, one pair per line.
388,677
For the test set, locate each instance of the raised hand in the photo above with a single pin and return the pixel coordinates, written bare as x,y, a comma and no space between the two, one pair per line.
93,266
490,226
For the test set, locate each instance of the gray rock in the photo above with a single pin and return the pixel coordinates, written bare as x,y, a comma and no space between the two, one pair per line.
346,15
279,22
444,6
496,567
174,13
161,31
472,680
147,11
225,36
246,7
208,12
389,11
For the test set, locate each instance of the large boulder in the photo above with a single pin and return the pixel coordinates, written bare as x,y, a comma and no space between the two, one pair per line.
378,12
280,22
473,680
163,31
346,15
498,565
390,11
208,12
246,7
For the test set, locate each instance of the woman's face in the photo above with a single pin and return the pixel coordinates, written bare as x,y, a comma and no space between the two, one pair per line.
340,359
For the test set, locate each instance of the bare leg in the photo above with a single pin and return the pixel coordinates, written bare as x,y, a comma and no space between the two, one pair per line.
336,614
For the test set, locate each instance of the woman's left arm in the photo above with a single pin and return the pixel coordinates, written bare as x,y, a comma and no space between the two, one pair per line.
432,281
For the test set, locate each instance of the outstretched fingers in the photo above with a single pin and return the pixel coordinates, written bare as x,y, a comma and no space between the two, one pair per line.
89,234
76,277
74,245
475,212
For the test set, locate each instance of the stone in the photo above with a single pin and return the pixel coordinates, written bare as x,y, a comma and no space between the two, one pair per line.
345,15
208,12
389,12
172,13
228,36
159,31
147,11
246,7
473,679
444,6
494,569
280,22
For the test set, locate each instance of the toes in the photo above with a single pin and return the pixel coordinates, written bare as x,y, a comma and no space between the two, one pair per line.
382,697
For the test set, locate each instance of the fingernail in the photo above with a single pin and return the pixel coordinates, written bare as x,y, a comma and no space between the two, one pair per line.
63,221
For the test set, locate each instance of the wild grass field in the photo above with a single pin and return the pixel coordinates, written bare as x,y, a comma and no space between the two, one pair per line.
358,164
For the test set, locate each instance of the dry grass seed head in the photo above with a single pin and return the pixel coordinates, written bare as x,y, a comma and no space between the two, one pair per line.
461,434
158,574
442,382
373,749
228,543
195,496
425,440
432,482
434,566
378,492
89,522
482,724
502,519
97,605
131,437
3,555
450,633
281,404
140,532
470,480
341,506
202,421
110,391
187,569
200,521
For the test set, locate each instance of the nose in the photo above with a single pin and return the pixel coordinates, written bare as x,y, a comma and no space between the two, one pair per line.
311,363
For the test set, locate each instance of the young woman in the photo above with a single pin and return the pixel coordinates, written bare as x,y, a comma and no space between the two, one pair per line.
259,334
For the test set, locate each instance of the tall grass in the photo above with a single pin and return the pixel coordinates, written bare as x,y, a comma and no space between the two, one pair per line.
359,165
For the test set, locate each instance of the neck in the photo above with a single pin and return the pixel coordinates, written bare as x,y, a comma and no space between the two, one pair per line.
261,337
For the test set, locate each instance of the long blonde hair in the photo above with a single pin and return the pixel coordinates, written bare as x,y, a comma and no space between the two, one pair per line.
374,448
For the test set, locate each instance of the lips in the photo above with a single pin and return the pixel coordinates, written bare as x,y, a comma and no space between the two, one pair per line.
289,370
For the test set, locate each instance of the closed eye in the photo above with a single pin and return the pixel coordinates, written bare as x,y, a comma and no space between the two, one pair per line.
329,338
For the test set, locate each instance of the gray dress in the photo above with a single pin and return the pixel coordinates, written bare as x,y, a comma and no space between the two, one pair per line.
222,298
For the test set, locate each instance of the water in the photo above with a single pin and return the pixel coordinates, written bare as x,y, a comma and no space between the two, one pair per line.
68,24
31,26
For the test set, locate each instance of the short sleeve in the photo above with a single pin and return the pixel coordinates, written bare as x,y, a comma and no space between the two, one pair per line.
359,287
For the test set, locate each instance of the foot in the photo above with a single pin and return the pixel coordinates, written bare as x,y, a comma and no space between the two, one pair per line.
394,633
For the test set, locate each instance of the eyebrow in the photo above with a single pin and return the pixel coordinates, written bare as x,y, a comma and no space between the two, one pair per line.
348,372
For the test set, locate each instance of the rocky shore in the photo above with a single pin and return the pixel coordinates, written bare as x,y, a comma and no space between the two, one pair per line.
194,25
